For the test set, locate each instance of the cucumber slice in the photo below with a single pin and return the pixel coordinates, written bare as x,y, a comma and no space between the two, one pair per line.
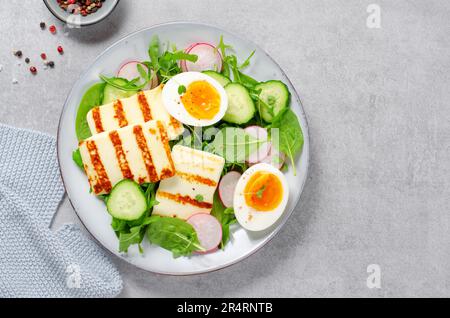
275,96
240,105
222,79
111,93
127,201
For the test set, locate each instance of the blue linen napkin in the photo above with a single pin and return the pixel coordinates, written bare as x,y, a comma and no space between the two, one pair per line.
34,260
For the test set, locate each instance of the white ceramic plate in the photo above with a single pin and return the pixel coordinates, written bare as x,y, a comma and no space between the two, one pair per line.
92,211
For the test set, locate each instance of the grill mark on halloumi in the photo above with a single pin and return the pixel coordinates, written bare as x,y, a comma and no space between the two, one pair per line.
145,107
165,141
120,114
146,156
196,178
120,154
103,180
185,199
174,123
97,120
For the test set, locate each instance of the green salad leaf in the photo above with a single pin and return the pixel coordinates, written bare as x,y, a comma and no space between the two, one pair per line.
289,133
76,156
132,232
174,235
124,84
166,64
233,144
153,52
134,236
225,216
92,98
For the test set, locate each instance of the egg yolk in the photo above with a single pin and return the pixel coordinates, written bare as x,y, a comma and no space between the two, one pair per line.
263,191
201,100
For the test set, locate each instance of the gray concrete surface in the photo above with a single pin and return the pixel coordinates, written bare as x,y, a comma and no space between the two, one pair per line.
378,106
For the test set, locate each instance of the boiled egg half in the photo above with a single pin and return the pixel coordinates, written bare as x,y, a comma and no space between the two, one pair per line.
260,197
195,99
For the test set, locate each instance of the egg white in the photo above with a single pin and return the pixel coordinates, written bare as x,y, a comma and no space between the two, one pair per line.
248,217
172,99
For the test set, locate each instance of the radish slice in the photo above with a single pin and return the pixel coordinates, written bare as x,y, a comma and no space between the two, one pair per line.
275,158
129,71
226,188
209,58
263,149
209,230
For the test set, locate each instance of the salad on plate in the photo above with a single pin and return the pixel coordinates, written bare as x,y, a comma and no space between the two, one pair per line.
185,144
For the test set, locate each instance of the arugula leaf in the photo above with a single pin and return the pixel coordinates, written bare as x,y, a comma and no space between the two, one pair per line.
143,73
132,232
199,198
76,157
225,216
150,194
248,82
233,144
222,47
230,65
247,61
135,236
289,133
168,63
174,235
92,98
153,52
127,86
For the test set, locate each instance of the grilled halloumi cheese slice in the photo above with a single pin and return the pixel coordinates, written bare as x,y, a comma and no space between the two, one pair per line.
137,152
192,188
137,109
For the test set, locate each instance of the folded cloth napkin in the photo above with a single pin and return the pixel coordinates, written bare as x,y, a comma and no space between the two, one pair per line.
34,260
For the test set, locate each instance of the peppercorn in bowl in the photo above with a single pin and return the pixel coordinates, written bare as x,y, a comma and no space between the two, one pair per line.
79,13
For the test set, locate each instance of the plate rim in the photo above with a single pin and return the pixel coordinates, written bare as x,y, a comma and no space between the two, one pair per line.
304,129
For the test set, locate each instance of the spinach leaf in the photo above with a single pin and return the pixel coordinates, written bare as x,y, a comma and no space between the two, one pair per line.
289,133
76,157
233,144
225,216
92,98
174,235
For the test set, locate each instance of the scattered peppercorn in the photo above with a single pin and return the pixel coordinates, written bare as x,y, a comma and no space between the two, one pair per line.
42,25
43,56
18,53
51,64
52,29
83,7
27,60
60,49
33,70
